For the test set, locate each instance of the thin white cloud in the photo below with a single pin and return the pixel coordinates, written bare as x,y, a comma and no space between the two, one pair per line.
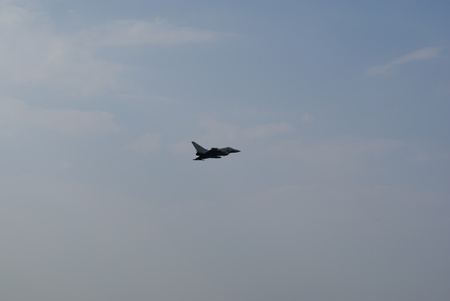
268,130
141,96
33,53
215,127
344,151
137,32
16,115
146,143
307,117
421,54
18,13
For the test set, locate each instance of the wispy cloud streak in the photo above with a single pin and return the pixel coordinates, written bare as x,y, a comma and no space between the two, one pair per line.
34,53
136,32
421,54
17,115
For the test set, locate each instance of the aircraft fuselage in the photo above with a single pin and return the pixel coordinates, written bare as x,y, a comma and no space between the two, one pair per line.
213,153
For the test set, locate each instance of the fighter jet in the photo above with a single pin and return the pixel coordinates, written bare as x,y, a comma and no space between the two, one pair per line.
215,153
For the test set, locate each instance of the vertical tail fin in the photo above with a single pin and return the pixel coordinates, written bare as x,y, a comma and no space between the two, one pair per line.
199,149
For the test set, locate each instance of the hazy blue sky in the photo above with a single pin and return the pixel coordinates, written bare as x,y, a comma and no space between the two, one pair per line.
340,108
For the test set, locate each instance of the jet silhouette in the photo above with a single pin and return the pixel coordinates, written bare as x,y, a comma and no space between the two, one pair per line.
215,153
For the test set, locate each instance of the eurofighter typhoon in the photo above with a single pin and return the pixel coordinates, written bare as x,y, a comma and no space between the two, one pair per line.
215,153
